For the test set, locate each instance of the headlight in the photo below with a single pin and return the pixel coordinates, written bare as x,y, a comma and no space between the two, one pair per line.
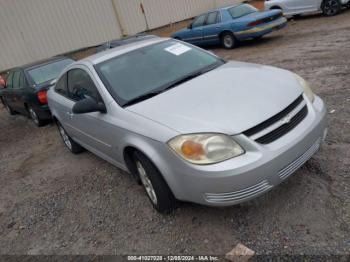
307,89
205,149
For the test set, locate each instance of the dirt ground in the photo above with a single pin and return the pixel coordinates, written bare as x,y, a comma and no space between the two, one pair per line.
53,202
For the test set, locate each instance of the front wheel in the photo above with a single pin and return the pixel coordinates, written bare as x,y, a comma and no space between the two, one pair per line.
154,184
331,7
8,108
228,40
73,146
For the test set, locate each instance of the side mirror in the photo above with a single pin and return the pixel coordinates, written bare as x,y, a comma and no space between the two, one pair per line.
189,26
88,105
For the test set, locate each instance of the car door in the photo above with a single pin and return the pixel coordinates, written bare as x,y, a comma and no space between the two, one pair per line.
301,6
195,34
92,130
13,91
62,103
212,28
19,92
7,92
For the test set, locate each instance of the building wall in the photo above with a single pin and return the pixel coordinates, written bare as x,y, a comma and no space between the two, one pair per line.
31,30
161,12
34,29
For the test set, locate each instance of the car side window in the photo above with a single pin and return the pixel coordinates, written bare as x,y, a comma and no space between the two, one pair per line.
199,21
218,18
9,82
61,86
15,80
212,18
80,86
22,80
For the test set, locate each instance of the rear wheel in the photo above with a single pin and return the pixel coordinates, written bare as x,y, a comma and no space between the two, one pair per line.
155,186
228,40
34,116
331,7
73,146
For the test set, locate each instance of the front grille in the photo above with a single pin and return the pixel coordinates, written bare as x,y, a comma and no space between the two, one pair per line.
283,129
240,195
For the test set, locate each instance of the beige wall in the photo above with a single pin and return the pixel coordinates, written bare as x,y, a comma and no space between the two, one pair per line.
161,12
31,30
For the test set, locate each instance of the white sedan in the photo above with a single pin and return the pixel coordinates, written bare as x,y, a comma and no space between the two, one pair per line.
298,7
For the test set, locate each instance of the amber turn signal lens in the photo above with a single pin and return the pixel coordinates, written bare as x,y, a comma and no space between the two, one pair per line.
192,149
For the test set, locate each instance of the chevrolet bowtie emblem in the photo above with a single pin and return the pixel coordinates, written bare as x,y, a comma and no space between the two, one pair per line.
286,120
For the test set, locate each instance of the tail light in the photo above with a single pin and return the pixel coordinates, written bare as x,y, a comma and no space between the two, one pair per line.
42,96
255,23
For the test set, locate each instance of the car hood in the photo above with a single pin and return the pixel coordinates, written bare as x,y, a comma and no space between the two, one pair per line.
229,99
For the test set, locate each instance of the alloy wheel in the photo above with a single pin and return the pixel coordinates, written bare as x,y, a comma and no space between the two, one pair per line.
331,7
228,41
65,137
34,116
146,183
8,109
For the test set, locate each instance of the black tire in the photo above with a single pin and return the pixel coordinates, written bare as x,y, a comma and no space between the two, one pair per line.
8,108
163,199
331,7
35,118
228,40
72,146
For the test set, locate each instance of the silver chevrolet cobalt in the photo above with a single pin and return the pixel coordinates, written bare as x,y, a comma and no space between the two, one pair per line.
187,124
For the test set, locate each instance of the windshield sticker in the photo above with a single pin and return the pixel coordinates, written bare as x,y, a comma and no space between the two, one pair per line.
178,49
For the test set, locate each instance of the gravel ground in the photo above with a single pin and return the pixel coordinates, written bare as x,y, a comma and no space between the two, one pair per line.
53,202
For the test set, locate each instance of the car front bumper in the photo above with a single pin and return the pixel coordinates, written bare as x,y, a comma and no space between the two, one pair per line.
261,30
260,169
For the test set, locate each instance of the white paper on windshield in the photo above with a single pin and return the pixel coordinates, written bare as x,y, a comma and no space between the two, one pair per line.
178,49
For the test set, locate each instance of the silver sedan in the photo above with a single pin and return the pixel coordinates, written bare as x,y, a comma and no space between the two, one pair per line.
298,7
187,124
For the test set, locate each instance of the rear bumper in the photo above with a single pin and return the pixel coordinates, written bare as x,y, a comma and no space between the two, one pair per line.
262,30
43,111
260,169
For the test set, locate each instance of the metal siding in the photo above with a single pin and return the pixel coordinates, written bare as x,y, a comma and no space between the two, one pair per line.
35,29
162,12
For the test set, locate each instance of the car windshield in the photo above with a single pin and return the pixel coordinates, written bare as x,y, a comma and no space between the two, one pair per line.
140,74
47,72
242,10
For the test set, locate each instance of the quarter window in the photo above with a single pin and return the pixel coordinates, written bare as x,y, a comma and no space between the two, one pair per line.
80,86
199,21
212,18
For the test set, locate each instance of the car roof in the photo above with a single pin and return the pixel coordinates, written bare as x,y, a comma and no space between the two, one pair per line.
123,41
110,53
39,63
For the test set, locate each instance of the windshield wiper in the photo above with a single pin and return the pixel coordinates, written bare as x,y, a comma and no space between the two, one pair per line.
141,98
193,75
